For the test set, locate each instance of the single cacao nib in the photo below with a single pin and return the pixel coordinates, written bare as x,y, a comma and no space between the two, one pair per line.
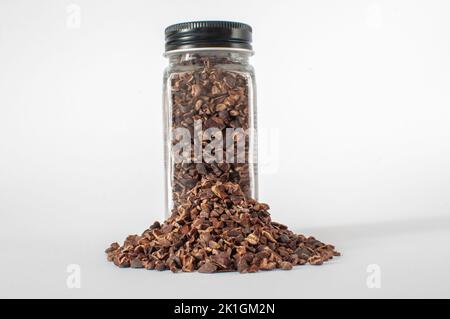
207,268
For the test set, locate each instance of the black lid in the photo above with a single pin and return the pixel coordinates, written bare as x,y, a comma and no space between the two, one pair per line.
203,34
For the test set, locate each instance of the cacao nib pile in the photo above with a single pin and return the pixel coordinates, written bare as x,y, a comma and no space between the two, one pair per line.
217,229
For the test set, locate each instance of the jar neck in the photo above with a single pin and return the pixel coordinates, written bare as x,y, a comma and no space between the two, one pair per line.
202,57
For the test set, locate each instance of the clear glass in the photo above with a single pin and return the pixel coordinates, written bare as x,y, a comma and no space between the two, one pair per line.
209,107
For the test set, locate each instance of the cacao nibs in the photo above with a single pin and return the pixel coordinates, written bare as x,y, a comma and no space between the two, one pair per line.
208,235
215,226
216,97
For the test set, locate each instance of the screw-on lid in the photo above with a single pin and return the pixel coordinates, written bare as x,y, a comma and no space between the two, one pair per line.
207,34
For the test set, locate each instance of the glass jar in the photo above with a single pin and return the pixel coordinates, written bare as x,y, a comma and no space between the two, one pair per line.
209,107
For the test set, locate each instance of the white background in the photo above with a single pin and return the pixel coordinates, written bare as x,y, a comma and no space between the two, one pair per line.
358,91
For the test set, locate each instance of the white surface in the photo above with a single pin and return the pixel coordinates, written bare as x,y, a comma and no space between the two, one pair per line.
361,88
412,256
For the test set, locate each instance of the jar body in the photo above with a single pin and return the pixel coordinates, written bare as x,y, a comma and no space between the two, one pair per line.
209,107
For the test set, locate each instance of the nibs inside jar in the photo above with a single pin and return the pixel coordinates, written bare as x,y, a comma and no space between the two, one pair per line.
210,97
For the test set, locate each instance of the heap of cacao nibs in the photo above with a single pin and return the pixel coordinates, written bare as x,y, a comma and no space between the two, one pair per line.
216,228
